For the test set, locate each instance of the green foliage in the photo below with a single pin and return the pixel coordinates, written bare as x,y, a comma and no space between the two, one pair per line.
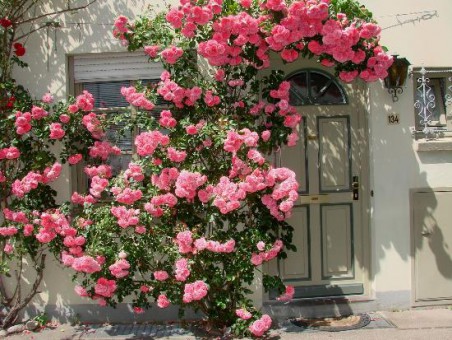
42,319
352,8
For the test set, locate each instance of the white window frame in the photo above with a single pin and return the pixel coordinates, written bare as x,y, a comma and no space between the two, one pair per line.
108,67
432,89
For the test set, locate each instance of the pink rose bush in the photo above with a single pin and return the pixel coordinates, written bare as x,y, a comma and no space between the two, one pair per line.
200,207
29,167
201,189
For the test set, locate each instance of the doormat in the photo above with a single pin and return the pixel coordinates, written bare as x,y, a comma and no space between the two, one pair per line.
333,324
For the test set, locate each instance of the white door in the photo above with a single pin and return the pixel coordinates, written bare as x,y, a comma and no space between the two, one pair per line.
330,161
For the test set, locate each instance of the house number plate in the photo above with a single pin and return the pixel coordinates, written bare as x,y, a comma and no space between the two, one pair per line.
393,119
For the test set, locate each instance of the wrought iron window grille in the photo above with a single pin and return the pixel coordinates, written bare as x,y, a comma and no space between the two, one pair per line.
433,100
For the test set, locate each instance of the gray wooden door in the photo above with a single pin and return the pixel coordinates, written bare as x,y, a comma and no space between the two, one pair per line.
330,161
432,236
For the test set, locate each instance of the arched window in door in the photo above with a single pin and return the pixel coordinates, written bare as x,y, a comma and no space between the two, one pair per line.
315,87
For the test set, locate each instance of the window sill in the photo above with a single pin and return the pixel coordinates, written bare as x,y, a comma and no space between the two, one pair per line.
444,144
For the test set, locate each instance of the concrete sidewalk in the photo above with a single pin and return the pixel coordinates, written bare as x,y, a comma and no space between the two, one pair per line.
433,324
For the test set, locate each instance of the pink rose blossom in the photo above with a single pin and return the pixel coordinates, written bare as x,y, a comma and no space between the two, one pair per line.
256,259
93,125
86,264
103,150
167,120
161,275
287,295
289,55
246,3
187,183
121,23
23,122
260,326
126,217
64,118
137,99
147,142
184,240
195,291
140,229
56,131
8,248
52,173
162,301
85,101
172,54
152,51
191,130
38,113
174,17
47,98
138,310
219,75
243,314
348,76
182,271
175,155
105,287
81,291
73,108
120,268
266,135
74,159
145,289
260,245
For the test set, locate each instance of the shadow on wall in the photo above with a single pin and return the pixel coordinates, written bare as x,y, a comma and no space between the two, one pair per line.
395,168
400,219
59,302
86,31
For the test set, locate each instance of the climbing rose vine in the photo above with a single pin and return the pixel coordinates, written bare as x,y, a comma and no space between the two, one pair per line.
200,207
32,223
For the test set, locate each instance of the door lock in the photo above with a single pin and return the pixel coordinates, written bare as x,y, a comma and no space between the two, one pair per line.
355,188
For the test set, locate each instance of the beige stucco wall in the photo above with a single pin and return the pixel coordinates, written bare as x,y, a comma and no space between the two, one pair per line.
411,28
414,29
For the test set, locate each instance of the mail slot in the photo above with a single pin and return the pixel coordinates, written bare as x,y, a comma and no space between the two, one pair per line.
314,199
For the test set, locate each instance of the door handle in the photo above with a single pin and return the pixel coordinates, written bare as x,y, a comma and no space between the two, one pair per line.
355,188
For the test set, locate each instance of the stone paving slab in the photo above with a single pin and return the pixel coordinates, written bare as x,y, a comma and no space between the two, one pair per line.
131,331
420,318
101,332
372,334
406,325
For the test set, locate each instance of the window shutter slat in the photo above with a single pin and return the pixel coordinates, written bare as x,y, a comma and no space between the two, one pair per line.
114,66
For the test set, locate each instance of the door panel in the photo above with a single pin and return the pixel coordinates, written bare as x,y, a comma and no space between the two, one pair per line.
337,241
334,153
298,164
300,269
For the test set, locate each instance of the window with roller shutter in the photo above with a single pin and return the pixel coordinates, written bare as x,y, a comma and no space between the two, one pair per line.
103,76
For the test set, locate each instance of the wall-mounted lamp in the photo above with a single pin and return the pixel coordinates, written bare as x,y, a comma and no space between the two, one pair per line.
397,74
